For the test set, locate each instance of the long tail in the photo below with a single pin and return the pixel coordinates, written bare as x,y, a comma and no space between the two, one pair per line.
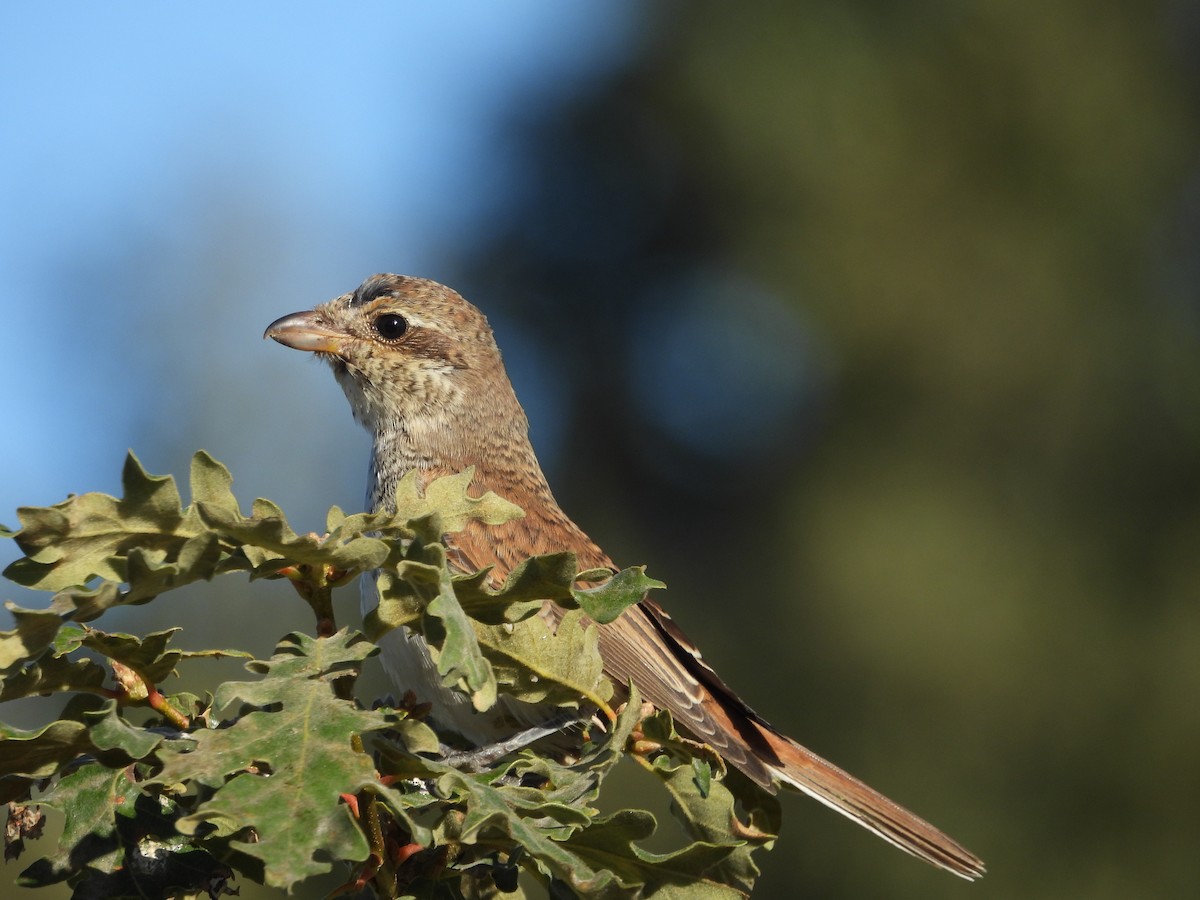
821,780
645,645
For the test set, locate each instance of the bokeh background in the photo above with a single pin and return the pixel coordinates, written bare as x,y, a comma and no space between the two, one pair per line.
874,330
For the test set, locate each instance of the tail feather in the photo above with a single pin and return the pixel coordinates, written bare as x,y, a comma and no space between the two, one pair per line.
671,673
823,781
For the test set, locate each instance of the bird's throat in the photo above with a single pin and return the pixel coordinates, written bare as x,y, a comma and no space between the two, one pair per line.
432,453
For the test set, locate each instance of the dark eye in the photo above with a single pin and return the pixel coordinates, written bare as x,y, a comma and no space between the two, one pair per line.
390,326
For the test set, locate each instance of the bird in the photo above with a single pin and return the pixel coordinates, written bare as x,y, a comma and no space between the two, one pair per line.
423,374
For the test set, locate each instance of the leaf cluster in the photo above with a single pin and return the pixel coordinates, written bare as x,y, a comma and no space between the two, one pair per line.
280,778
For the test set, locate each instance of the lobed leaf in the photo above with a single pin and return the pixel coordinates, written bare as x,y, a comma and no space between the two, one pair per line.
299,656
605,602
447,497
40,752
88,799
532,581
281,769
99,732
610,844
147,656
52,673
460,659
110,731
537,665
89,535
35,632
708,808
489,815
211,482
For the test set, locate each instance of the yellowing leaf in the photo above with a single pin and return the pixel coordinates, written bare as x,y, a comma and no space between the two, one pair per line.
89,535
447,497
536,665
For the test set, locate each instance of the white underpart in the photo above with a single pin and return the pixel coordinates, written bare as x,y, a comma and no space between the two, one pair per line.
407,661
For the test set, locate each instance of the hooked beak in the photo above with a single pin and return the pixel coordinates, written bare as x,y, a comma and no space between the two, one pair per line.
305,331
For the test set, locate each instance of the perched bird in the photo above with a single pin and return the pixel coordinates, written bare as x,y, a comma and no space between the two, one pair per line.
423,374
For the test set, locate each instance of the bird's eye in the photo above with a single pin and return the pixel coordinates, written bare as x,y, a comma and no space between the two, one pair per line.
390,326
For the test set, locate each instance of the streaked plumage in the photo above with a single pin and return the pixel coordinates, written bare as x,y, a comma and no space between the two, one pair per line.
423,374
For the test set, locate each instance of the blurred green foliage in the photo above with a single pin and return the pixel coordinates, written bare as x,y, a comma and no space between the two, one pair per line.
985,562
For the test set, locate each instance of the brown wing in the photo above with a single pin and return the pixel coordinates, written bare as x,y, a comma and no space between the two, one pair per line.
718,716
646,647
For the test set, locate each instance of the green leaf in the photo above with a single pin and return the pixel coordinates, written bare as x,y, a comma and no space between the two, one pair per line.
610,844
300,656
422,596
578,783
111,732
84,605
553,577
215,654
447,497
399,604
414,736
144,539
88,799
702,776
489,815
147,656
266,529
277,769
35,631
118,842
500,810
149,573
281,769
607,601
211,483
52,673
89,535
659,728
41,752
535,664
531,581
460,660
709,812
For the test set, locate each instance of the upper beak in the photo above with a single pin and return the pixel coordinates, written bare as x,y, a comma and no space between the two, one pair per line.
305,331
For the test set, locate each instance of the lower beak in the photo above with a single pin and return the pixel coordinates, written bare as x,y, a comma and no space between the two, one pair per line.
305,331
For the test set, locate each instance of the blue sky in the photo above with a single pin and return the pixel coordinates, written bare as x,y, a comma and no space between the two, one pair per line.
173,178
109,106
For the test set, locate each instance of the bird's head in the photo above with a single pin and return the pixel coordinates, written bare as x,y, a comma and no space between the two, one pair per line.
413,357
